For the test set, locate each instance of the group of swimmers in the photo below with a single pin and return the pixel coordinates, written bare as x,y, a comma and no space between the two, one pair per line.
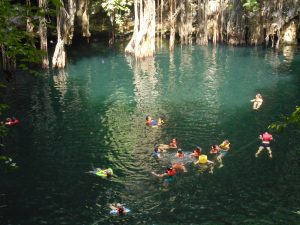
197,157
217,153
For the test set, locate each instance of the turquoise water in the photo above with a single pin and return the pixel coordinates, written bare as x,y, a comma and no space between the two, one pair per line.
93,113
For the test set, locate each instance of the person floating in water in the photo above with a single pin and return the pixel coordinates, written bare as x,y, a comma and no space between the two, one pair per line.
165,147
266,139
179,167
224,148
214,149
257,102
196,153
179,153
169,172
204,163
102,172
154,123
156,154
11,121
118,209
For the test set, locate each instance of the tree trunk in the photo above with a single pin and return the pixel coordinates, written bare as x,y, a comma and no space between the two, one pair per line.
43,34
59,56
185,26
70,24
142,43
83,16
172,24
29,25
202,36
9,64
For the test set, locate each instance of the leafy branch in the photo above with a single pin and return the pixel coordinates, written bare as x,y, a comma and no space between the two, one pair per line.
293,119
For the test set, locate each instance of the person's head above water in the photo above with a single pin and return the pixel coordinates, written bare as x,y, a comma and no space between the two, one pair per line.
198,149
109,172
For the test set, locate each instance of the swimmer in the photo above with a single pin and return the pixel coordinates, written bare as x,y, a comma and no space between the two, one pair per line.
154,123
11,121
257,102
102,173
205,163
266,139
179,167
214,149
165,147
179,153
196,153
118,209
224,148
202,160
169,172
156,154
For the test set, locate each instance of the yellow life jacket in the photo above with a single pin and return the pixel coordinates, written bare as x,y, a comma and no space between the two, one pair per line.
224,146
202,159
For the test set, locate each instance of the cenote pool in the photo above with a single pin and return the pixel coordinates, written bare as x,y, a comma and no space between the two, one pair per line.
92,115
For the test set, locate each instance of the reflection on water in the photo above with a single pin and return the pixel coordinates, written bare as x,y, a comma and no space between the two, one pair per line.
92,115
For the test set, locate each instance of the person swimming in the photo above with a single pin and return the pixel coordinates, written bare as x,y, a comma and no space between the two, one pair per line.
257,102
156,154
224,148
118,209
11,121
179,153
196,153
214,149
169,172
165,147
102,172
204,163
154,123
179,167
266,138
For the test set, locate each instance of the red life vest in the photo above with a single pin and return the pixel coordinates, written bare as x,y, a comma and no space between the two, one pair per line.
171,172
267,137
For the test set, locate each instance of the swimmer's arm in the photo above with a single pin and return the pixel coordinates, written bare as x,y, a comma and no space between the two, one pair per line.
158,175
112,207
210,162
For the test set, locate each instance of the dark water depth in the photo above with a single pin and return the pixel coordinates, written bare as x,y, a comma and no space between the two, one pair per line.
93,115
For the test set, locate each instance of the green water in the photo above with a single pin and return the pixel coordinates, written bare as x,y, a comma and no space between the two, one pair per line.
92,115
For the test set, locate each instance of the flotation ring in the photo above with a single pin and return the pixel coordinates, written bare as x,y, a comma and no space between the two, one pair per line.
104,173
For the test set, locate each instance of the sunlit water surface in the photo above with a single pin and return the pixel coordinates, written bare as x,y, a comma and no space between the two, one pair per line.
93,113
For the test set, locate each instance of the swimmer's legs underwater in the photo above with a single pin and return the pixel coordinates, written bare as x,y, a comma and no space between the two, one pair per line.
262,148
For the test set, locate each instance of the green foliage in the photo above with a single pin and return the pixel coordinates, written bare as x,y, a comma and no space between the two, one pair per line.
251,5
116,9
57,3
7,163
293,119
16,40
